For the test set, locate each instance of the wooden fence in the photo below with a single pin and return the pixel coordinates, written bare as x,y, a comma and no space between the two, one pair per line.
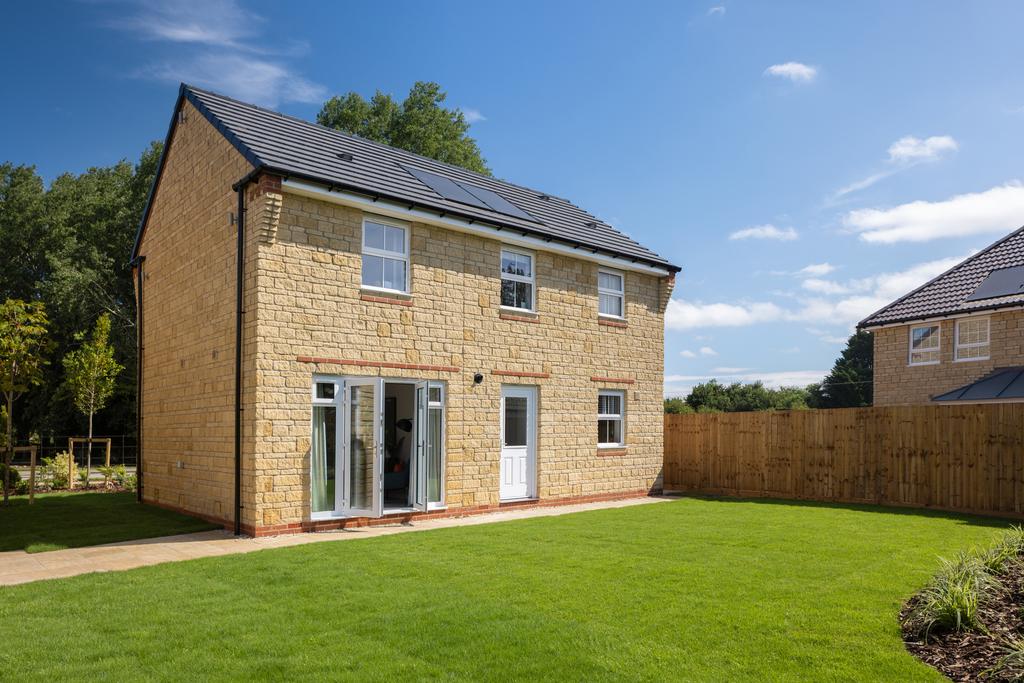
968,458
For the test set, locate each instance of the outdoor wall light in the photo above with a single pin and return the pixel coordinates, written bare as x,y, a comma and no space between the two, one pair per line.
478,378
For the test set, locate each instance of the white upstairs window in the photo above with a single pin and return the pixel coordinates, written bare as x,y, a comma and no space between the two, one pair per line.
611,293
924,345
385,255
972,339
611,412
517,281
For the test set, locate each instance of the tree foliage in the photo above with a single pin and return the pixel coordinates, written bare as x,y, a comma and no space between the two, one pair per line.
713,397
676,406
850,382
421,124
70,244
24,344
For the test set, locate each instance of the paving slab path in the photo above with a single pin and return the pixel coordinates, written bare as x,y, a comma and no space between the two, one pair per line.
18,566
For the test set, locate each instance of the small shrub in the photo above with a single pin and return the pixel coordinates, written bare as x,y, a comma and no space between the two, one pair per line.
55,470
131,482
120,476
15,477
108,476
23,488
83,478
950,600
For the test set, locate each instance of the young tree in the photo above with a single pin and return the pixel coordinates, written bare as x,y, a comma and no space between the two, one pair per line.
91,370
850,383
420,124
24,342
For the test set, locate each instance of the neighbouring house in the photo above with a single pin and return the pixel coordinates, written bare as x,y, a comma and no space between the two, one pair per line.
333,331
958,338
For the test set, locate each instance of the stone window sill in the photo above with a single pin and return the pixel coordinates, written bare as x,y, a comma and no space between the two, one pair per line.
605,452
382,297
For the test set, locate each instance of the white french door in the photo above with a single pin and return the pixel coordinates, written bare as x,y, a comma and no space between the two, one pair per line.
362,447
518,442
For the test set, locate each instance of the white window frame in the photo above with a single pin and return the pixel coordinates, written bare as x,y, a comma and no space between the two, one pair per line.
621,417
937,349
974,345
531,280
384,253
620,293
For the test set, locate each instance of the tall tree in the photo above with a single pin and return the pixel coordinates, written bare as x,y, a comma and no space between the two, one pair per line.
850,383
23,232
91,370
24,343
420,124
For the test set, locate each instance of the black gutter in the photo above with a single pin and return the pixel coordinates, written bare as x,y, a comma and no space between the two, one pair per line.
139,350
240,188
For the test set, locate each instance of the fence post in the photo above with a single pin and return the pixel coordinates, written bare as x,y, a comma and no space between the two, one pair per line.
71,463
108,451
32,476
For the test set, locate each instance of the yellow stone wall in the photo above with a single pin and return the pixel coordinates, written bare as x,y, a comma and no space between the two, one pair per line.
309,304
897,382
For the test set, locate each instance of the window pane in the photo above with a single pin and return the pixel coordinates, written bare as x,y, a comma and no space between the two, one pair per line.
524,265
979,351
609,281
373,271
362,445
395,239
609,431
435,395
610,304
373,235
323,457
516,294
925,337
394,274
973,331
325,390
508,262
609,404
435,441
515,421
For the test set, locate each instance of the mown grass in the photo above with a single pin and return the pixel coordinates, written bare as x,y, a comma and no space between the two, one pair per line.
72,520
694,589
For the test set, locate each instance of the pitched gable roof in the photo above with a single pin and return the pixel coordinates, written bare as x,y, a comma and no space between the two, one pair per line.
299,149
948,293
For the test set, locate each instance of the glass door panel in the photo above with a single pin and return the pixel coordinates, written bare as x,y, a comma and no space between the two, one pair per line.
324,455
364,459
419,465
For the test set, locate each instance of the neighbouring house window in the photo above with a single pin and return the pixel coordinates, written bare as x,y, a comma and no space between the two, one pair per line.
972,340
385,255
924,345
611,293
611,408
517,279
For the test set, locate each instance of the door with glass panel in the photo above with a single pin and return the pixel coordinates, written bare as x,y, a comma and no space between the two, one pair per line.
518,442
428,464
362,447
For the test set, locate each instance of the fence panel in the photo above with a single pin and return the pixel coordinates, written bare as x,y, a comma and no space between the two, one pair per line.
967,458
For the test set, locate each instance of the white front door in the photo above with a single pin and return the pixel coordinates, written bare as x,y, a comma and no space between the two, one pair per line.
518,442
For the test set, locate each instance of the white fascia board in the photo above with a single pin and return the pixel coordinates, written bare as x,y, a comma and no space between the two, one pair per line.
505,235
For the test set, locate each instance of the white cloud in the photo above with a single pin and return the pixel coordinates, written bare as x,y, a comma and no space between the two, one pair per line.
716,9
817,269
226,51
708,351
686,353
858,298
910,148
905,153
765,232
473,115
997,210
729,371
794,71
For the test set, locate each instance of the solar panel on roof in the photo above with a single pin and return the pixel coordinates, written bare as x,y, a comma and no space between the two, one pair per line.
1002,282
466,193
497,202
447,188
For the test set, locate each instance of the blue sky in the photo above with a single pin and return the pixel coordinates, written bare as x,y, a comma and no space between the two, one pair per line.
805,163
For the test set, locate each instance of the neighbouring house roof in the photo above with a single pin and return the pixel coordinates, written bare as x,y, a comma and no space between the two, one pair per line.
951,293
302,150
1002,384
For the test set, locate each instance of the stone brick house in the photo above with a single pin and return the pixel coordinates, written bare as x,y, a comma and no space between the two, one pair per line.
336,332
958,338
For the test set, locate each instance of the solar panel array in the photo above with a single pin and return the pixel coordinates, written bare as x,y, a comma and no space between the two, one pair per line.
1002,282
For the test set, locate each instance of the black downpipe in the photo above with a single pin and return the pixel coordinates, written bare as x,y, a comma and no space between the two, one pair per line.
140,349
239,312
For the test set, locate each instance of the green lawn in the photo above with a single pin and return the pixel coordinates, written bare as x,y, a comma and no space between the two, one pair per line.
71,520
688,590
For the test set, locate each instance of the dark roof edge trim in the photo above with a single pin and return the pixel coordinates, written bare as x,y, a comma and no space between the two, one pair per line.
376,196
184,93
941,315
865,322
